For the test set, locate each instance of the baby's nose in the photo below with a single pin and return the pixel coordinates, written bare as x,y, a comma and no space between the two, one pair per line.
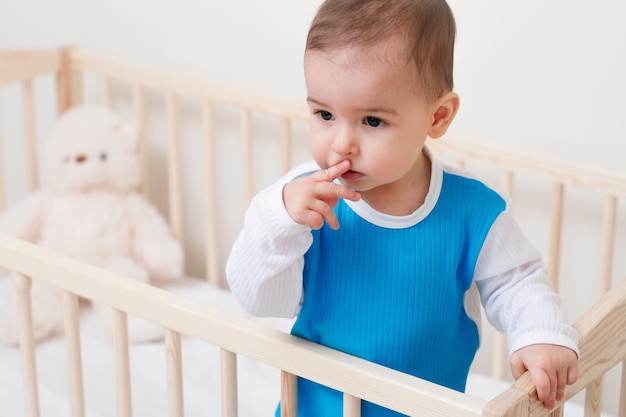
345,142
81,158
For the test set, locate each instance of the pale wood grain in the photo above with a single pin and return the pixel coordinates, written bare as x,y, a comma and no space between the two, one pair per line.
288,394
122,362
229,383
31,134
19,64
174,355
23,285
71,327
210,197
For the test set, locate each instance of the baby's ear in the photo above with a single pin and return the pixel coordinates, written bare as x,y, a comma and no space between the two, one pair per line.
444,110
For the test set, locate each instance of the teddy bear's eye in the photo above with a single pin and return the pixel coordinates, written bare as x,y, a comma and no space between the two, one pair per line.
103,156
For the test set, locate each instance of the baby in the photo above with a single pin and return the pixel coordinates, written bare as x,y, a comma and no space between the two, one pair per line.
378,249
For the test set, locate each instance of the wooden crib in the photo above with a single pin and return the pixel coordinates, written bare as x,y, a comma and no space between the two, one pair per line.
203,132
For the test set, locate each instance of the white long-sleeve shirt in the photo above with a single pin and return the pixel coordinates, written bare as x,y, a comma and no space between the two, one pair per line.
265,267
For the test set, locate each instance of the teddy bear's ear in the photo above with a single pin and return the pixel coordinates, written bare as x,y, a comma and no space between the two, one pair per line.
128,133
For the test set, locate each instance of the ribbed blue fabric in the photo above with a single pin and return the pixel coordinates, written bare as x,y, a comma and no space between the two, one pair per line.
395,296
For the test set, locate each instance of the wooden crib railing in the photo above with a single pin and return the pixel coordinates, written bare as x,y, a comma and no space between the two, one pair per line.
603,346
70,68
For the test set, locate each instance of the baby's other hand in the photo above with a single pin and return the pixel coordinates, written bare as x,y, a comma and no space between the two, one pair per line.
310,200
551,368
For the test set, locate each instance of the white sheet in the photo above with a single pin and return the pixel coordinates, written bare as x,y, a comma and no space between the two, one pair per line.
258,383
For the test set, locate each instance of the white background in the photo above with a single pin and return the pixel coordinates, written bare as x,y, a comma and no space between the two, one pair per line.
537,75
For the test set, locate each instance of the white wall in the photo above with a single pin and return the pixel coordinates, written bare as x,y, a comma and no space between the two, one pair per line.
545,75
539,75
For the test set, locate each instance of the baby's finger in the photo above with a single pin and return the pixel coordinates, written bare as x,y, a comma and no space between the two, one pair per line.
572,374
332,173
561,382
325,212
546,387
331,191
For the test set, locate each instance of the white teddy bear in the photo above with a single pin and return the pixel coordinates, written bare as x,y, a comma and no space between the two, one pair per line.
89,208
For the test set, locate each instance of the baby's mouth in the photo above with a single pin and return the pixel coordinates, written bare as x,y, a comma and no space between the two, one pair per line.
351,175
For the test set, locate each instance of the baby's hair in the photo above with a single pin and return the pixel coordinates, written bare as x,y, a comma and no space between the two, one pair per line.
427,26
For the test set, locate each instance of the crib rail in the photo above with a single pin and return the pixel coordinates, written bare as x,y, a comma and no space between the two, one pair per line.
354,376
518,160
19,65
600,329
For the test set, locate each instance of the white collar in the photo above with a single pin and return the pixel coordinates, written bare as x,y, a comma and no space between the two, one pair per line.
365,211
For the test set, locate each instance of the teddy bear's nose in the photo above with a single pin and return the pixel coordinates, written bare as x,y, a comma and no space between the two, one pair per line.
81,158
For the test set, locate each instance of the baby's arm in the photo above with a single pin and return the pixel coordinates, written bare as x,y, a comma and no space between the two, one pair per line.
264,269
520,302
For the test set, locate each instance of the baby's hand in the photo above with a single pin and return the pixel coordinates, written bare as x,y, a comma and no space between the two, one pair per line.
551,367
310,200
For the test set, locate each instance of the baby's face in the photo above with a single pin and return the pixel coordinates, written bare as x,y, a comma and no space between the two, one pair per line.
365,107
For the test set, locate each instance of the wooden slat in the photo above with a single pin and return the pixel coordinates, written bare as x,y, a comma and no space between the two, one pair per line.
288,394
556,225
229,383
248,153
212,239
558,412
71,311
608,242
593,398
174,359
18,65
593,393
29,128
3,174
23,285
285,144
622,395
351,406
139,109
173,167
122,364
69,83
105,92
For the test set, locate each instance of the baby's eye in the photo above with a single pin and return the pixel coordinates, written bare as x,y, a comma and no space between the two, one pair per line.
373,121
324,115
103,156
